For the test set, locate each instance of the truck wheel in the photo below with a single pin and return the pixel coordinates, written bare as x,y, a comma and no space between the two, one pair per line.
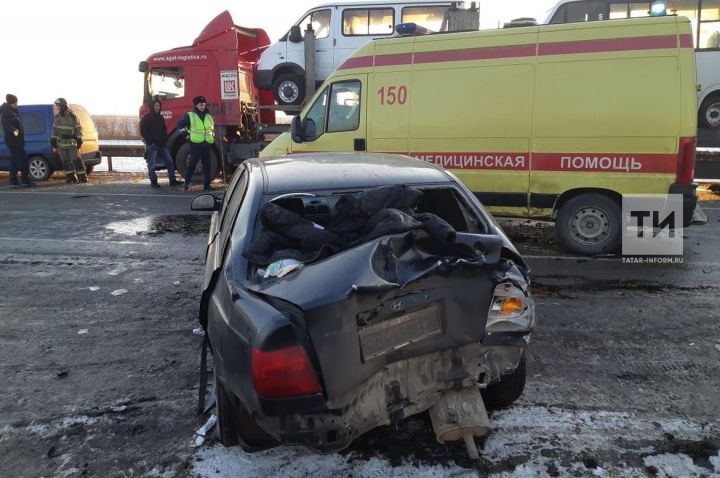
289,89
589,224
709,114
507,390
39,168
182,164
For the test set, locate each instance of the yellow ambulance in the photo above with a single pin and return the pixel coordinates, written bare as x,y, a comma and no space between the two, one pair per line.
552,122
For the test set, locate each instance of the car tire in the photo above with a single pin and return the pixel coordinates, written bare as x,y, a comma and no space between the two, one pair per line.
89,169
182,164
589,224
40,169
507,390
709,113
289,89
235,425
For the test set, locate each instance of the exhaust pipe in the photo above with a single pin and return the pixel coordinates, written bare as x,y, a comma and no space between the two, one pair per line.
461,414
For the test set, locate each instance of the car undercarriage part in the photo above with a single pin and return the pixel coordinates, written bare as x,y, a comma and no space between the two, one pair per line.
461,414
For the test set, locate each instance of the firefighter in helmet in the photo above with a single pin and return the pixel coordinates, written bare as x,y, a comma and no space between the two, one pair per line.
66,139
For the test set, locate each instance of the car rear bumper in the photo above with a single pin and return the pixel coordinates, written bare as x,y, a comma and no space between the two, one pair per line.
92,159
399,390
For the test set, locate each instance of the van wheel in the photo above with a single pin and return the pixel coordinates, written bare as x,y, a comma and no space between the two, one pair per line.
39,167
589,225
508,389
709,114
182,164
289,89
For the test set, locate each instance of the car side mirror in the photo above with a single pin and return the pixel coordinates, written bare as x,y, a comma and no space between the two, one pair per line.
309,129
295,34
206,202
296,132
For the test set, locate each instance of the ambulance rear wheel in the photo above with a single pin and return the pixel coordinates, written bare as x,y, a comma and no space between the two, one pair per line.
589,224
709,115
182,164
289,89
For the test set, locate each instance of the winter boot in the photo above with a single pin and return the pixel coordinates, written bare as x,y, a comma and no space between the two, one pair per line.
154,184
174,182
70,178
82,177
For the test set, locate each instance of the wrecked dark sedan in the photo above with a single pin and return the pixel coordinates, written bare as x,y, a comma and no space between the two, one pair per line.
348,291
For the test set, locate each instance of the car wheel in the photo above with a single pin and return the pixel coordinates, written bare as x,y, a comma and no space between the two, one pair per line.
589,224
89,169
289,89
182,164
507,390
39,168
235,425
709,114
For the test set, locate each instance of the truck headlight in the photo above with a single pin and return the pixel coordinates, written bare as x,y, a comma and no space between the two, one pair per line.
512,310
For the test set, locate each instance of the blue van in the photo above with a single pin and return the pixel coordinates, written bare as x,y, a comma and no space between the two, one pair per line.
37,121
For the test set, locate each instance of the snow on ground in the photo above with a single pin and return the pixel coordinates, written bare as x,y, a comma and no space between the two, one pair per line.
123,165
528,441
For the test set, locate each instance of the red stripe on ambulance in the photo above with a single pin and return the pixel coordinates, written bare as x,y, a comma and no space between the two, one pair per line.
605,162
483,161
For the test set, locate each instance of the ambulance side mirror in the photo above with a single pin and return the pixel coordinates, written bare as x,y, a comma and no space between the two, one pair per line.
296,130
295,34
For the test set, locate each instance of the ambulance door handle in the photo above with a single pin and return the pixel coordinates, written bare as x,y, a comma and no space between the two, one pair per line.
359,144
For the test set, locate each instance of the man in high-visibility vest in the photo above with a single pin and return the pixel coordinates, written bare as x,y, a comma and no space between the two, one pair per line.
201,132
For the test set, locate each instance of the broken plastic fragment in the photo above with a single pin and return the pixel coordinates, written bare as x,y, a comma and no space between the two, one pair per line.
203,430
82,331
118,292
177,282
93,288
282,268
199,331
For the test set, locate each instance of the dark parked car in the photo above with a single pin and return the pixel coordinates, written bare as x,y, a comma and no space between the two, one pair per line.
346,291
37,121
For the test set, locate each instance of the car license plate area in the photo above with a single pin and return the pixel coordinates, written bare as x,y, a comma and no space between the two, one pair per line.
399,332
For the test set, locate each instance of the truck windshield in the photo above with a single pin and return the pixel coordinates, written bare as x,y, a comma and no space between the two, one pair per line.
165,83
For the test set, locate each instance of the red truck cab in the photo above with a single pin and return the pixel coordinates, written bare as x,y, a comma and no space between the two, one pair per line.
219,65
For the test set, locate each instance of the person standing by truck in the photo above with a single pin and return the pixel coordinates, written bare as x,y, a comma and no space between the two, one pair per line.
67,139
15,140
201,131
154,133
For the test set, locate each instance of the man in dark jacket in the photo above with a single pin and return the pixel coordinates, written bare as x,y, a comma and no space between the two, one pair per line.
153,132
201,132
15,140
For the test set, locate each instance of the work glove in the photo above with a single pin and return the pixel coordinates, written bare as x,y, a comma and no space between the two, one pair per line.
53,143
79,142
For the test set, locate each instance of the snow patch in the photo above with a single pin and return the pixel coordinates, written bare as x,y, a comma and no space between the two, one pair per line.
671,466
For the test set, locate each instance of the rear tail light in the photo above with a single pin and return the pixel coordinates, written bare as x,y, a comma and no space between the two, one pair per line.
283,373
686,161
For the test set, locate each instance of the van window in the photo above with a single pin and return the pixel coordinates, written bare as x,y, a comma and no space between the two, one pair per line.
368,21
427,17
166,83
344,112
710,24
314,120
33,122
320,21
629,10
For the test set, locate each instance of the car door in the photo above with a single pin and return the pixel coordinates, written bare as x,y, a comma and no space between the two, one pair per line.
336,120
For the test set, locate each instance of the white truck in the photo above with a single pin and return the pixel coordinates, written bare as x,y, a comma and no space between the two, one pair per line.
339,29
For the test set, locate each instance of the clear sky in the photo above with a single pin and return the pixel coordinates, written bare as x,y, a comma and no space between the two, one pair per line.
88,50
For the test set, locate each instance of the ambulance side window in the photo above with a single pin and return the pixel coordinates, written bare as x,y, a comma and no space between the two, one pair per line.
314,122
344,113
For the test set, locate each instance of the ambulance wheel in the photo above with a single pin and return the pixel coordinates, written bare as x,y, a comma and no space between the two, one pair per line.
507,390
289,89
39,168
589,224
182,164
709,114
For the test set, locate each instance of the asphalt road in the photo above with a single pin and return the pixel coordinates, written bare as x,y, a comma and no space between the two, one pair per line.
100,284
